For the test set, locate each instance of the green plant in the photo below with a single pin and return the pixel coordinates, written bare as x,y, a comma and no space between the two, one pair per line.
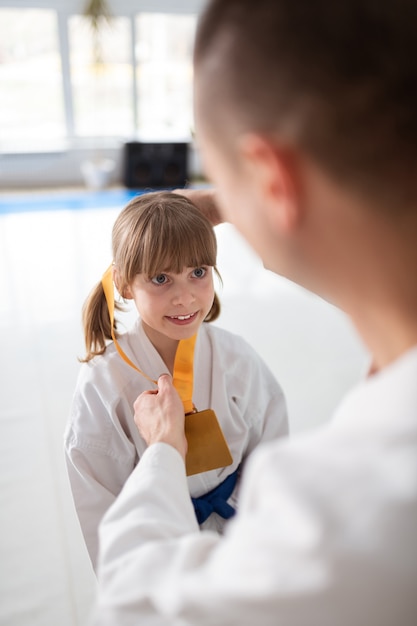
98,12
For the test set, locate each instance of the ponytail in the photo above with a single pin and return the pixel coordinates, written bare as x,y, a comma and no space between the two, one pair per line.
214,312
96,323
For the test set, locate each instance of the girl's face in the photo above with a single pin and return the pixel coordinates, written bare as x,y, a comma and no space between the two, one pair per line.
171,305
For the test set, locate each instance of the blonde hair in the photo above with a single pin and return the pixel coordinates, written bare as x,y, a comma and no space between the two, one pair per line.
156,232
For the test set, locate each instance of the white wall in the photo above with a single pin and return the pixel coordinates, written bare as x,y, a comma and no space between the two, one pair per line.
62,167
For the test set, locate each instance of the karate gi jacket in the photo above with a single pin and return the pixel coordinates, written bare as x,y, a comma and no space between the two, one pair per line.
102,442
325,535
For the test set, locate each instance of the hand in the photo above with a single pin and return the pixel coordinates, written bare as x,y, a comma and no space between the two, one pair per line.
205,200
159,416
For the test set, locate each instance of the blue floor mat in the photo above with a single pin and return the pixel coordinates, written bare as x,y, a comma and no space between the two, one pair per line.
66,201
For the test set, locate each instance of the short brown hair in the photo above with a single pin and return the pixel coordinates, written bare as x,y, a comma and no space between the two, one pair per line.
336,77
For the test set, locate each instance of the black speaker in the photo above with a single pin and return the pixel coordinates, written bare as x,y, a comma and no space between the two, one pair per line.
155,165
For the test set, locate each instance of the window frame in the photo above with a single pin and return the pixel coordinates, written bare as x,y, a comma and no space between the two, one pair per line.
129,9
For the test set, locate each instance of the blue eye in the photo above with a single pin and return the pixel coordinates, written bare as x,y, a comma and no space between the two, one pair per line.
159,279
199,272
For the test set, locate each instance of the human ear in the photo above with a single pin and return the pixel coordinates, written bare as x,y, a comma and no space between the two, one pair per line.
126,293
273,169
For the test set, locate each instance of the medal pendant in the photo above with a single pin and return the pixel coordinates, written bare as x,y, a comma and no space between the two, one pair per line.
207,447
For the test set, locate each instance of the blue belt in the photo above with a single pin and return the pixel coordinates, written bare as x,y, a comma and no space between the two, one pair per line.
215,501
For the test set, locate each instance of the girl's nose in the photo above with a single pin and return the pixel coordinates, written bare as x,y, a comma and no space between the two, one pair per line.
183,296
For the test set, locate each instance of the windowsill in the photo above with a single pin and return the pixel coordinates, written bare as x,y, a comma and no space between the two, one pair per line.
58,163
59,146
40,147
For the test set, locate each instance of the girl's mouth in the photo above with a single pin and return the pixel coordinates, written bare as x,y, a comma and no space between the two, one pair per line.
182,320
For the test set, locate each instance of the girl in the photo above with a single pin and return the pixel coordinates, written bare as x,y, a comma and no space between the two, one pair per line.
164,255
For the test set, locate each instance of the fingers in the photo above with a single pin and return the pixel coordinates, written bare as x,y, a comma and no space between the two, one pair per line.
164,382
159,415
206,201
149,392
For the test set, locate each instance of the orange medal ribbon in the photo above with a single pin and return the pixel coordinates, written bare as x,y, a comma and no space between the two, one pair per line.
107,283
207,447
184,357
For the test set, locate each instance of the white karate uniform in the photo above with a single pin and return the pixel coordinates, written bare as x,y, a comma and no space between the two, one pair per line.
326,533
103,445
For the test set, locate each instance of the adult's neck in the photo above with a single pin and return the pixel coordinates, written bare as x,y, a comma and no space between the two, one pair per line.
383,304
364,259
384,308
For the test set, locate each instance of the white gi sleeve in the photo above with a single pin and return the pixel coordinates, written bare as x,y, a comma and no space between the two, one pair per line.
156,568
325,536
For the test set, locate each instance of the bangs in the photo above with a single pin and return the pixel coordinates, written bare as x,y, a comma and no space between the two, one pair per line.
175,253
166,233
177,240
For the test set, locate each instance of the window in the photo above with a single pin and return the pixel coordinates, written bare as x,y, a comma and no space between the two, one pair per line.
53,86
164,74
31,94
101,77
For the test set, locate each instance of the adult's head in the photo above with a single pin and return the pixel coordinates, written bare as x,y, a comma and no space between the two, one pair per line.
303,105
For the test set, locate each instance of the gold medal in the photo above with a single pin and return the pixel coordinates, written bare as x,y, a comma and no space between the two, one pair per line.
207,447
